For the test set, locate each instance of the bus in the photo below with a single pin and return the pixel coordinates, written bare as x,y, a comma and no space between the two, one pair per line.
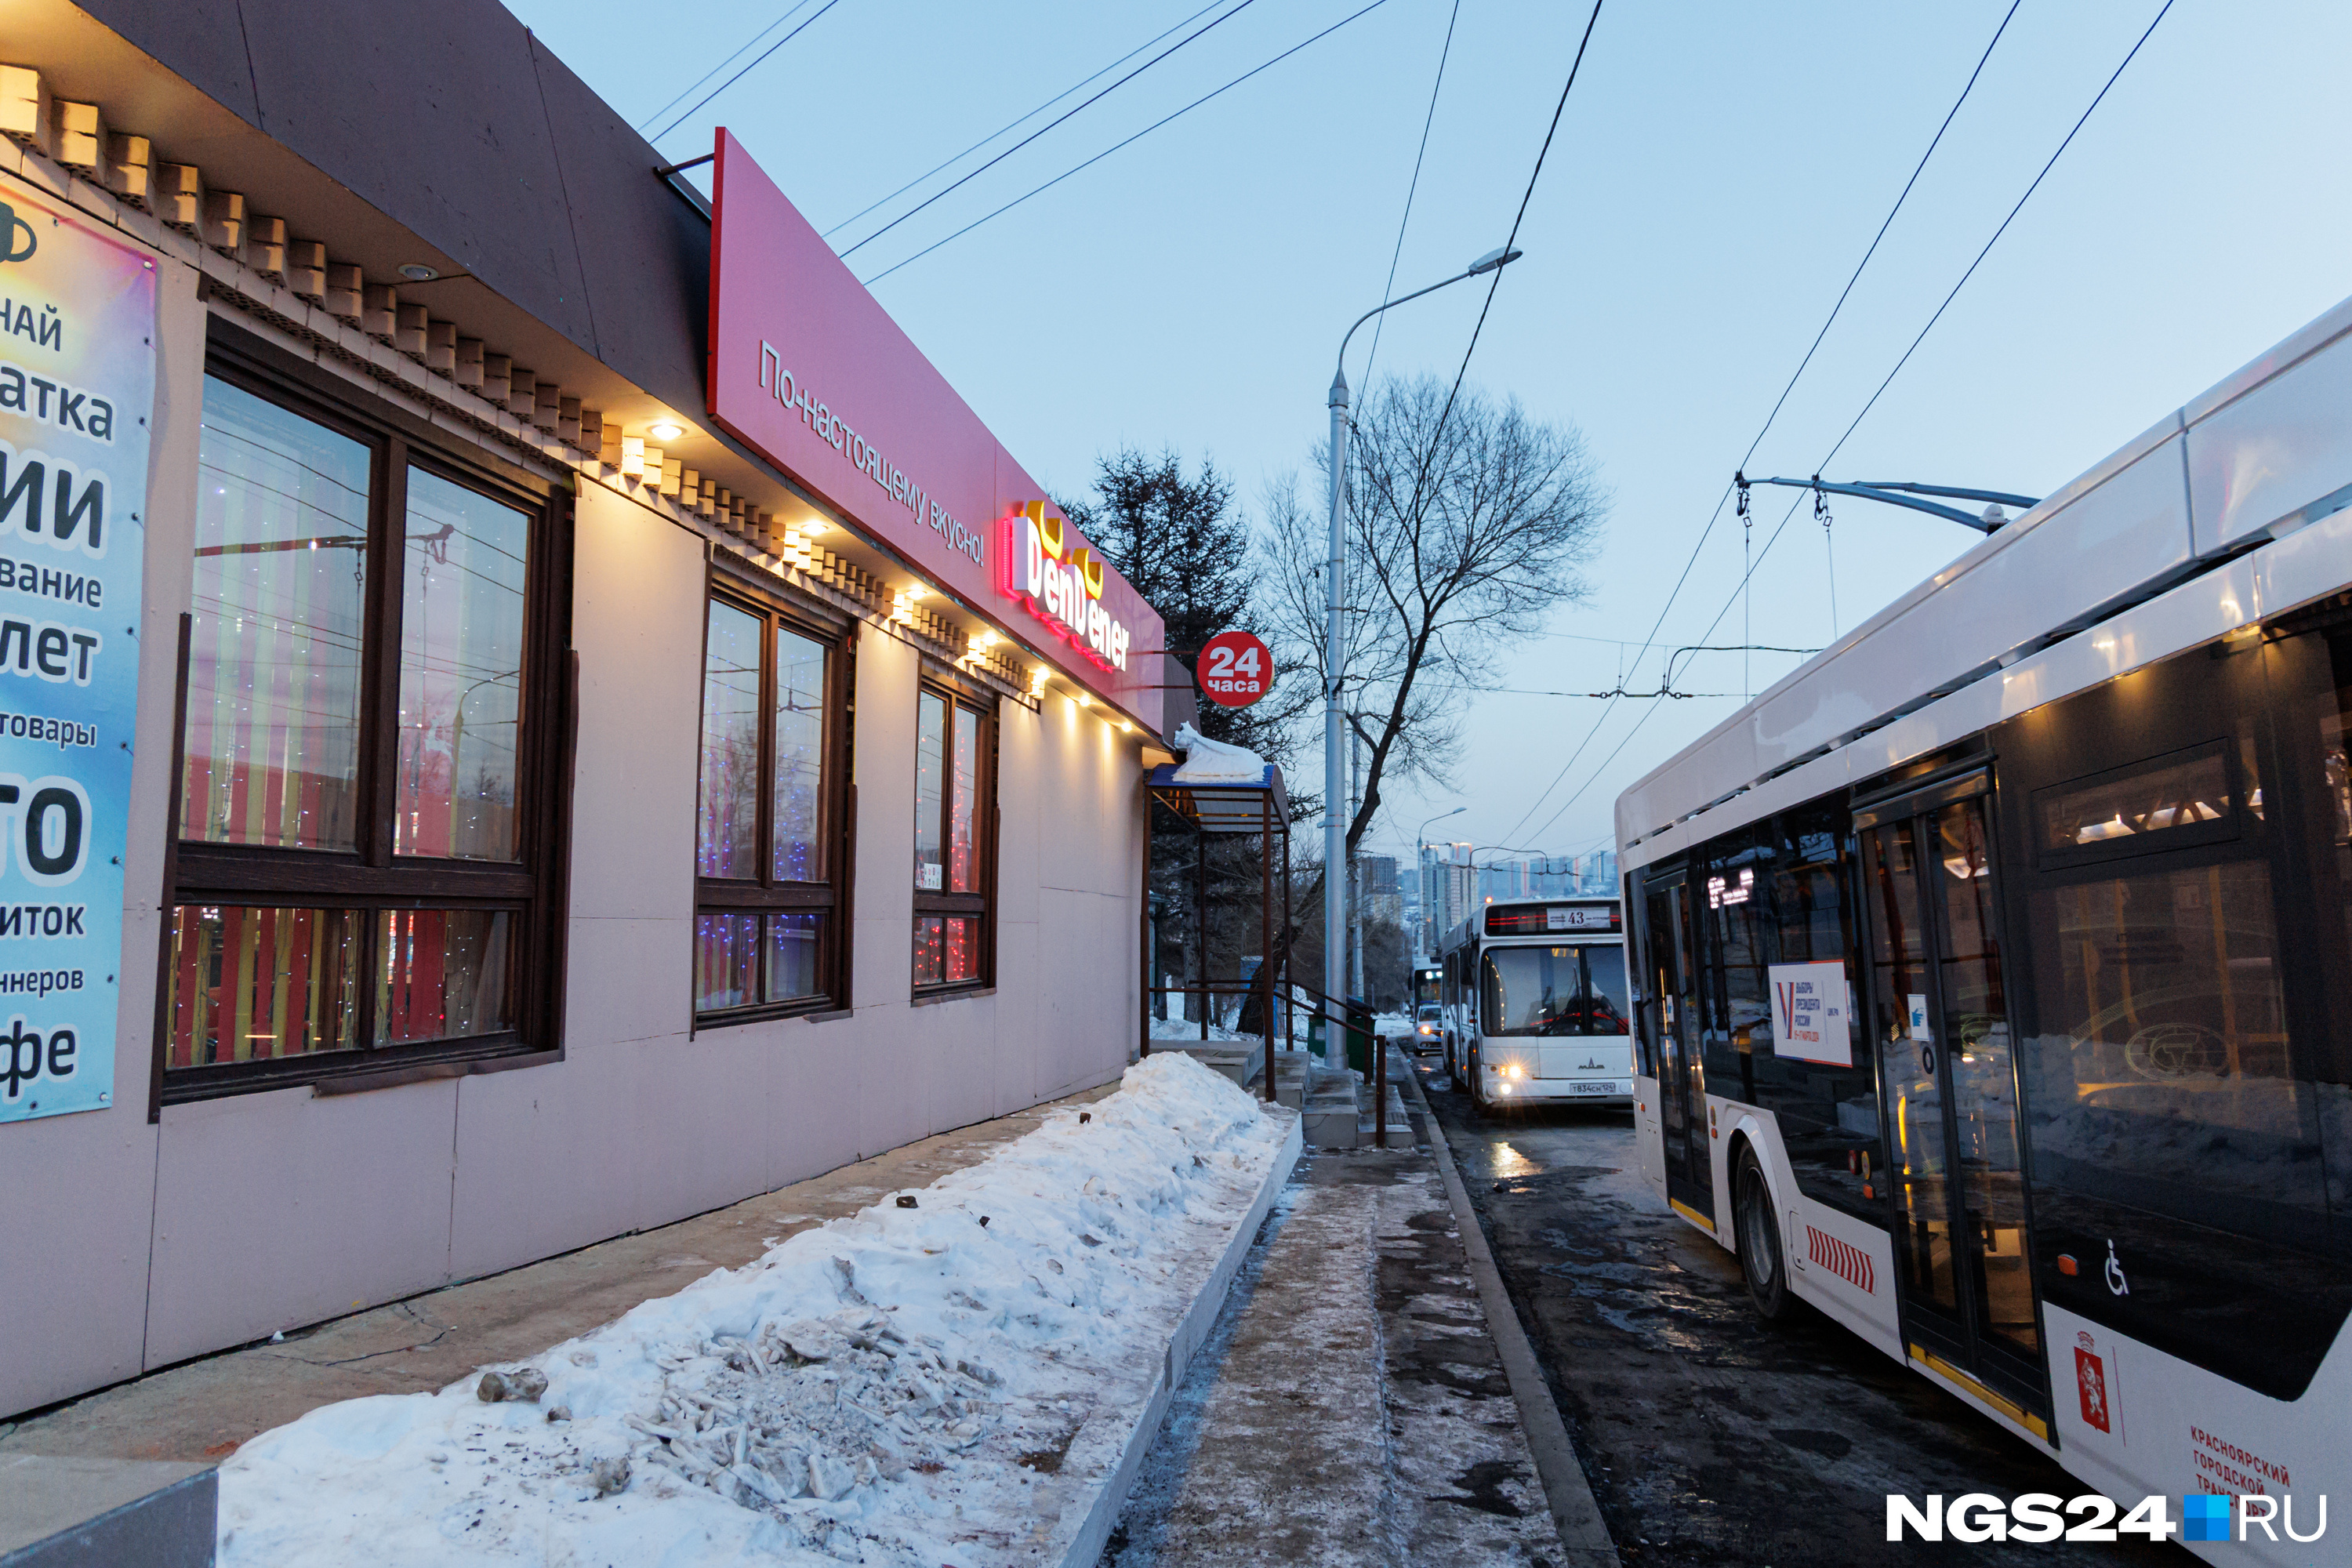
1994,968
1537,1004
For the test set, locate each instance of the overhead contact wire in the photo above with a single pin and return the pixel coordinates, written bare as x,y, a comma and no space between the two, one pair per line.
1061,119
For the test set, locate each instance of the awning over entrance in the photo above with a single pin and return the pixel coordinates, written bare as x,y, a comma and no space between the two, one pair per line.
1239,806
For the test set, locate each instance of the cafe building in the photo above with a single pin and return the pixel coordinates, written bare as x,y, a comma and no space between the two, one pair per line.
531,709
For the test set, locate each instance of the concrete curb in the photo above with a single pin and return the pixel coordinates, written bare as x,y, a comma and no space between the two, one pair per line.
1582,1534
1084,1547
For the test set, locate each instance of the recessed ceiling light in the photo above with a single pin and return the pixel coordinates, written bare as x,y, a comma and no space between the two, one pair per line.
815,526
665,430
917,591
417,272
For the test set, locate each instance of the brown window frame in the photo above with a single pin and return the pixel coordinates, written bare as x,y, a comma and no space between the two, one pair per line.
979,905
766,893
371,878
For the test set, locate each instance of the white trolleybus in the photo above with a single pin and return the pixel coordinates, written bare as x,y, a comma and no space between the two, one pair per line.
1995,968
1537,1004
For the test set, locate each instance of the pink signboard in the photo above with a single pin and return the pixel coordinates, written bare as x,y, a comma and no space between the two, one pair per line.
809,371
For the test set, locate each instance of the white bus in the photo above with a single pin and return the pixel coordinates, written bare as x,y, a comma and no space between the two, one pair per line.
1995,968
1537,1003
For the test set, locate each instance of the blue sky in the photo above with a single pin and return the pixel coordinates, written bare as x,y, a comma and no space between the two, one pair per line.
1718,171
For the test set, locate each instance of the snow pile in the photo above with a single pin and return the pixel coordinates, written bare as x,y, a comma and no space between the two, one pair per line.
1189,1029
901,1387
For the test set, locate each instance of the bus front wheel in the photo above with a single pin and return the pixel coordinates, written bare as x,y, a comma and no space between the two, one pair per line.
1761,1260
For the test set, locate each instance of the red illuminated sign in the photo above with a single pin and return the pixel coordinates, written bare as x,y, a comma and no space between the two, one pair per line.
1235,669
810,372
1061,579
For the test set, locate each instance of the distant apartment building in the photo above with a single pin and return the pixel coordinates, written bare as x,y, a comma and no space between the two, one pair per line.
1449,889
1381,888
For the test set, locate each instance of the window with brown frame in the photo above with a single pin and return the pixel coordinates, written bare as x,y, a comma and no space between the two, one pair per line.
771,858
955,837
369,794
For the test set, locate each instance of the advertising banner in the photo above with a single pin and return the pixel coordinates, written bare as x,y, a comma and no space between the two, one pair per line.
76,388
1810,1016
806,368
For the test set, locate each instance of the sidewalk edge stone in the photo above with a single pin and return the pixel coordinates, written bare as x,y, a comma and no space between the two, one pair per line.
1583,1533
1084,1547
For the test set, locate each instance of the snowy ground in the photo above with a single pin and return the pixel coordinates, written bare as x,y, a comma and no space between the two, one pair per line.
945,1379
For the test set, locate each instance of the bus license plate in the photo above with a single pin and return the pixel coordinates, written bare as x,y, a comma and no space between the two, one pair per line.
1594,1088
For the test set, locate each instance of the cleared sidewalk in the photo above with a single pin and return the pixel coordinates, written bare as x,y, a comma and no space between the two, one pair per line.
1351,1407
203,1409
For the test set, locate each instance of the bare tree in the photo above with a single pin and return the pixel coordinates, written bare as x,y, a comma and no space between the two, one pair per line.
1467,527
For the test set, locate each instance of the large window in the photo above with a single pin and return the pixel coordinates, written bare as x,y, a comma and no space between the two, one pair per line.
368,790
772,815
955,834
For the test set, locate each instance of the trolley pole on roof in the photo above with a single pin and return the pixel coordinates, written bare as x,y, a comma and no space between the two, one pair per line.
1335,681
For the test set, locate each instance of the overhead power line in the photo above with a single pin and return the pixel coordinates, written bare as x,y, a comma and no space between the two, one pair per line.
1907,352
1697,546
1856,423
1098,98
1413,188
1116,146
1012,124
747,70
722,65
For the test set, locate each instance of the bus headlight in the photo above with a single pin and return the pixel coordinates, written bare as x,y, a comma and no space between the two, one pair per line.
1515,1070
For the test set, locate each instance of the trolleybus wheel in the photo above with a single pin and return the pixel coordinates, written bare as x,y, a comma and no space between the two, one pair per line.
1454,1080
1760,1258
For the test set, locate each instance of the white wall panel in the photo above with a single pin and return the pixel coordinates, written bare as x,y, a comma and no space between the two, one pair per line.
279,1208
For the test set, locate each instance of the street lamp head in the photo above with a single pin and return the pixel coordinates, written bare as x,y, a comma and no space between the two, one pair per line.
1495,261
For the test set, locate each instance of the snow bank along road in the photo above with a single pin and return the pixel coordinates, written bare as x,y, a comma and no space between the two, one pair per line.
965,1375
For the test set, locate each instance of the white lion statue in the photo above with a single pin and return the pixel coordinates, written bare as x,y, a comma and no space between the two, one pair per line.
1214,762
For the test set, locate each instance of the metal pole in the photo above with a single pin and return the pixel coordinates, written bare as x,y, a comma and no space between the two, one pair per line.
1355,872
1334,824
1201,924
1266,926
1289,939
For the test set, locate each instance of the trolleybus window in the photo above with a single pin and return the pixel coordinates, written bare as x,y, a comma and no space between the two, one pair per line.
1777,892
2181,1072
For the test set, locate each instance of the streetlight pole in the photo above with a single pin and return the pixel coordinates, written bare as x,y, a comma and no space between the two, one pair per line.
1335,660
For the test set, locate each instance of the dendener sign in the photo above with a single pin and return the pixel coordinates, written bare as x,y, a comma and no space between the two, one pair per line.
1061,581
806,369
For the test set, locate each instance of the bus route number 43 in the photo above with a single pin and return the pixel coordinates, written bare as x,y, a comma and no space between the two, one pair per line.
1235,669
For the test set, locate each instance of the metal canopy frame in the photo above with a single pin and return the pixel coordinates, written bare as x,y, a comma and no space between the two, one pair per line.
1259,807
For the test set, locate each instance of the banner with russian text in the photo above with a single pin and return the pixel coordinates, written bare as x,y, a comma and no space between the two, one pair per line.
76,388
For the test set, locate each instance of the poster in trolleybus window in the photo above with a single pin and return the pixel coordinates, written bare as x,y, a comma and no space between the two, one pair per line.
77,385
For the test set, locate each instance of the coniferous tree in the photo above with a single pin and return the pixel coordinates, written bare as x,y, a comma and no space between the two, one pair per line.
1177,539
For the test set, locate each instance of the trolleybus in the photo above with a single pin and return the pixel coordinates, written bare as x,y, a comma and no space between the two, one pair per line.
1994,969
1537,1003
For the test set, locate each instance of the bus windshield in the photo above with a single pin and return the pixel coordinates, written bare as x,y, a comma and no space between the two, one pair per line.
1554,991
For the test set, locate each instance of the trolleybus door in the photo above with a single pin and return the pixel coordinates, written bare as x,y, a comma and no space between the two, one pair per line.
1949,1087
1681,1091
